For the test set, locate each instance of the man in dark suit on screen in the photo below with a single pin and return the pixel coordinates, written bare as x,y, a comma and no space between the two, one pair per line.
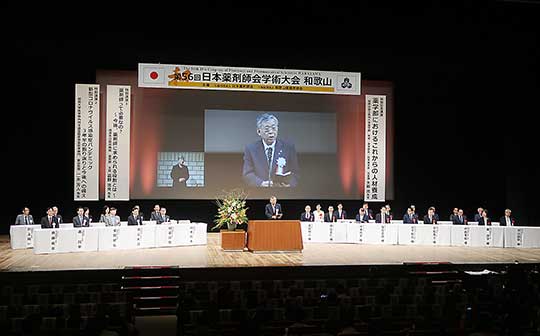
270,162
273,209
180,174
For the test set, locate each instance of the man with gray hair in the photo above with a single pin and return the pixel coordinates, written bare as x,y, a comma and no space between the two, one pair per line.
270,162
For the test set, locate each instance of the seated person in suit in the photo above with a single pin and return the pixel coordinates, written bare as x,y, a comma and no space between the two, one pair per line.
459,218
507,219
81,220
270,161
156,214
362,216
180,174
57,215
318,214
409,217
454,213
273,209
388,211
340,213
413,208
382,217
112,219
330,215
139,209
430,217
87,214
484,220
25,218
49,221
135,218
104,214
478,215
163,217
368,211
435,214
307,215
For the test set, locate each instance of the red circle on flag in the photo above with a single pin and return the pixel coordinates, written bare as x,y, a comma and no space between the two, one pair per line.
154,75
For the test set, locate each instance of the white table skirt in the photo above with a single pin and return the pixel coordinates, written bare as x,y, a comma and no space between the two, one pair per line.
22,236
116,237
421,234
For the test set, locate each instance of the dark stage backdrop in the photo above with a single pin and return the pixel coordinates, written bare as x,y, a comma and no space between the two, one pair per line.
465,99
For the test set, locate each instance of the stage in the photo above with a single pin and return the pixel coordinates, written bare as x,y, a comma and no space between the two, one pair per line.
211,256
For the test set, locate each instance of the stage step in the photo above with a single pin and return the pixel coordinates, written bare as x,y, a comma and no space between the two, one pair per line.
153,290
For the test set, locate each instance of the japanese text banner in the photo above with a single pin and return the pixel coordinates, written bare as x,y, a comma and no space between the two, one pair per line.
375,162
248,79
117,142
86,165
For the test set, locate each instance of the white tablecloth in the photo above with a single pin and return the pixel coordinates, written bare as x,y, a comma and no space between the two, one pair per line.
117,237
478,236
65,240
22,236
421,234
516,236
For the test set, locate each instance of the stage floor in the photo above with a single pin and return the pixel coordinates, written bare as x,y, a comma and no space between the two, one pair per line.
211,256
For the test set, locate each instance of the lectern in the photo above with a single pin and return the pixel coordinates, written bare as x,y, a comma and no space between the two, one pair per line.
275,236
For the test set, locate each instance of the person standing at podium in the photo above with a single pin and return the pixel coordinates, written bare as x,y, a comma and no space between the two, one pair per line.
273,209
307,216
25,218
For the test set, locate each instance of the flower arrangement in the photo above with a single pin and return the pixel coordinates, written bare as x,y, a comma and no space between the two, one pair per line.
231,209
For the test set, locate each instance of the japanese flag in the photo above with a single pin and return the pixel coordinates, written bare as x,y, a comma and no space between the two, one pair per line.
154,76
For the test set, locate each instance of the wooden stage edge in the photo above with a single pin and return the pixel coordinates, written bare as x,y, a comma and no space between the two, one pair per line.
212,256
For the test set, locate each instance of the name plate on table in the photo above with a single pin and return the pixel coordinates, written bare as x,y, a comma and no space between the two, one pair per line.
527,237
117,238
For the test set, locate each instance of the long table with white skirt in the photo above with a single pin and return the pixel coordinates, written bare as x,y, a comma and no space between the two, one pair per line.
106,238
420,234
22,236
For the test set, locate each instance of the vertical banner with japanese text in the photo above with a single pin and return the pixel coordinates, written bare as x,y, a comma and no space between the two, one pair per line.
117,142
375,163
86,159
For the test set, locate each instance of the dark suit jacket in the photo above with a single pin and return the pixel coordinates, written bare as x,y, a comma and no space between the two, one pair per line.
503,221
327,217
45,223
135,221
164,219
342,216
255,169
363,219
433,220
305,218
269,212
410,219
77,222
482,222
179,172
156,216
455,220
477,217
378,218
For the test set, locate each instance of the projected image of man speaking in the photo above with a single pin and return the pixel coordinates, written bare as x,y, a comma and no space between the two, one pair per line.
270,162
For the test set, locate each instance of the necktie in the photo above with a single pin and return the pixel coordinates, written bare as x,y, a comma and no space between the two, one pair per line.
26,220
269,157
50,220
